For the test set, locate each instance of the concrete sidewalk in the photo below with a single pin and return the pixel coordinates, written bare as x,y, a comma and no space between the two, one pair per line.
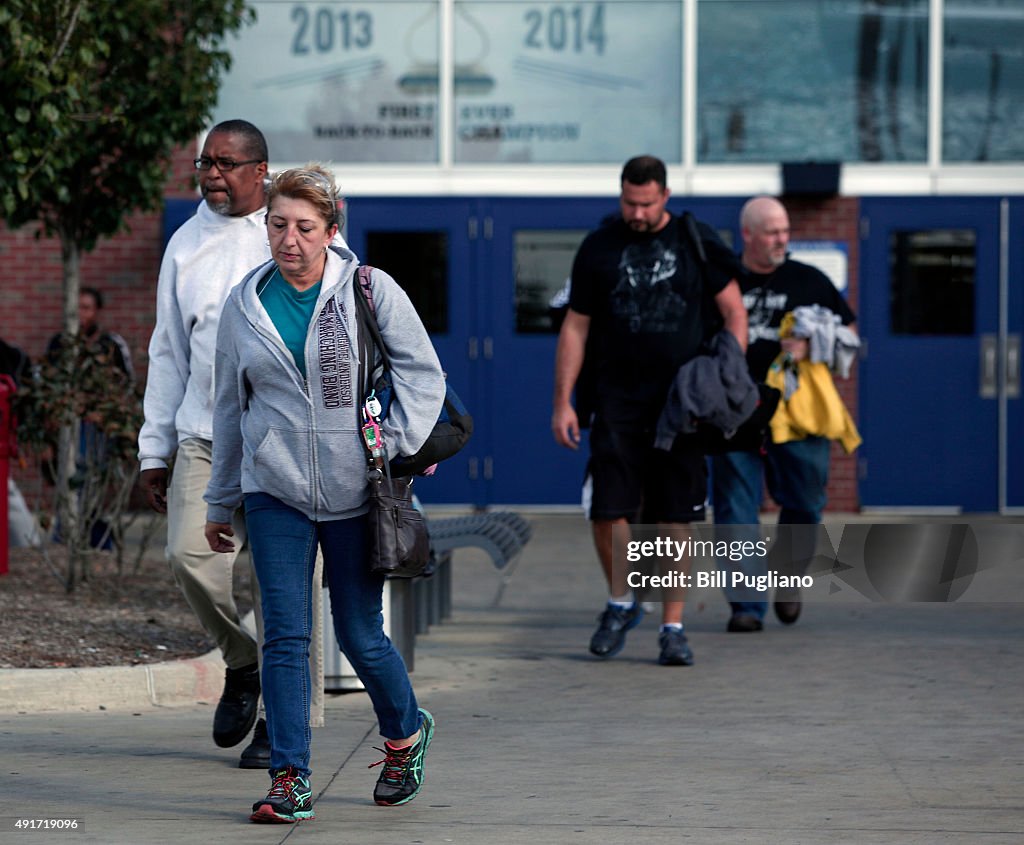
860,724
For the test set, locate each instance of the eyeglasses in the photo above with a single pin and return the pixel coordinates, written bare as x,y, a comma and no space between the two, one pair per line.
224,165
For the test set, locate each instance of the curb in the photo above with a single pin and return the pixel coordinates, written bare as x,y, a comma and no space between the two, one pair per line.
175,683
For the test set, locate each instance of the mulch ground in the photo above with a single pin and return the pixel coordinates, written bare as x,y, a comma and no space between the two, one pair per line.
110,619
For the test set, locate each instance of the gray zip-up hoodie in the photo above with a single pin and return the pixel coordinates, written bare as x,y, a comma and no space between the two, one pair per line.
299,439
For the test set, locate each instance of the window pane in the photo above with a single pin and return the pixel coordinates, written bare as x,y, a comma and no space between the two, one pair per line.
799,80
543,264
931,275
567,82
418,261
983,81
342,82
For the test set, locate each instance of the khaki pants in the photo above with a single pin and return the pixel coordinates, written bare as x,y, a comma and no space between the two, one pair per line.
206,578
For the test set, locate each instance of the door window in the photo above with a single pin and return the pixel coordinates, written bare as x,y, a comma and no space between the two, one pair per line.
418,261
932,273
543,262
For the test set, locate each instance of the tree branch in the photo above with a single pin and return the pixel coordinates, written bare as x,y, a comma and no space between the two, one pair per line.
67,36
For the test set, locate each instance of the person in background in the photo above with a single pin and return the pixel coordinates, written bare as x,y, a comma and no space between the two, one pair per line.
112,353
204,259
99,340
797,472
287,446
22,527
646,302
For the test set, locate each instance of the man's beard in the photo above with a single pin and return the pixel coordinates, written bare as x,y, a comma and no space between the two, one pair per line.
221,207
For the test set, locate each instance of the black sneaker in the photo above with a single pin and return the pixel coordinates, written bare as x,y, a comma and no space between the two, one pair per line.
402,776
290,800
675,651
610,636
744,623
257,753
787,605
236,711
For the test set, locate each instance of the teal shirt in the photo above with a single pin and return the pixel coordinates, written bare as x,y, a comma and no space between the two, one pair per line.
291,311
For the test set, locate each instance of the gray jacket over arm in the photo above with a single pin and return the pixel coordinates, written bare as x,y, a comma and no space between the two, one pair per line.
715,389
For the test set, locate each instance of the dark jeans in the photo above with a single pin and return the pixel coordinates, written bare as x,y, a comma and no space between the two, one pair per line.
797,474
283,543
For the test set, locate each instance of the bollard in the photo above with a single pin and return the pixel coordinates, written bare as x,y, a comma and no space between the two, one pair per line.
7,446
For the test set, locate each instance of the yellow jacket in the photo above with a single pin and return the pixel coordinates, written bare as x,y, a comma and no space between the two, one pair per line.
814,408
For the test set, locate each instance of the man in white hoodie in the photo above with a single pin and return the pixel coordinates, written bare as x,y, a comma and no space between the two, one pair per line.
204,259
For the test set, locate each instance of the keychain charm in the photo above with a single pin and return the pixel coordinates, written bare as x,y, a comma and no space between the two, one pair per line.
373,407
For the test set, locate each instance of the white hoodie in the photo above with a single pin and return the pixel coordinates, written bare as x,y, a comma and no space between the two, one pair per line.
204,259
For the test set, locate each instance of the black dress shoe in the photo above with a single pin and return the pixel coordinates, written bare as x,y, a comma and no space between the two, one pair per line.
257,753
236,712
744,623
787,605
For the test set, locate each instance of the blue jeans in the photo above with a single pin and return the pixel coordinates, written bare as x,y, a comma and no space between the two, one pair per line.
283,543
797,475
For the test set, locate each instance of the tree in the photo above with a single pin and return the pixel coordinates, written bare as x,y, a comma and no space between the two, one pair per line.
96,96
108,407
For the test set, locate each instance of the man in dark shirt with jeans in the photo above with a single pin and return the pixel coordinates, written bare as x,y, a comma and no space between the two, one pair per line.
797,471
642,297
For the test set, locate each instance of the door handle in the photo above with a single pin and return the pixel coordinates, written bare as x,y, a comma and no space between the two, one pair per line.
1011,381
988,377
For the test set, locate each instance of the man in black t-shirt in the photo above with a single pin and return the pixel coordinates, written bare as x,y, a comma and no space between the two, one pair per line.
797,472
645,303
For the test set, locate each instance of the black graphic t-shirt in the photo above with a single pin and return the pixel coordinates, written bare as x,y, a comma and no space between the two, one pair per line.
768,297
649,309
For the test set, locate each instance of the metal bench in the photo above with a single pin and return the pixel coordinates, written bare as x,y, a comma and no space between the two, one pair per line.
501,534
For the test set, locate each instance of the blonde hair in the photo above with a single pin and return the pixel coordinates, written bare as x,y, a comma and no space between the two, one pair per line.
312,183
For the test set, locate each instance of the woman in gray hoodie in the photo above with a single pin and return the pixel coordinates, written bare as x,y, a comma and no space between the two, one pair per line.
287,446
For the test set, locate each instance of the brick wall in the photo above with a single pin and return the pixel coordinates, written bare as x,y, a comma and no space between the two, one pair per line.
124,267
835,219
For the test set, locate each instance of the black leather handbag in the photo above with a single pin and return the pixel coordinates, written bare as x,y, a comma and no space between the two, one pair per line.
399,543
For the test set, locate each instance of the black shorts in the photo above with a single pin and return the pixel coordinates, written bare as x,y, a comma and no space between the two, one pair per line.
633,480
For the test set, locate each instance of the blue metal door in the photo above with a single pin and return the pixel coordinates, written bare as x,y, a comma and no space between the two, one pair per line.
425,245
531,245
1012,331
930,387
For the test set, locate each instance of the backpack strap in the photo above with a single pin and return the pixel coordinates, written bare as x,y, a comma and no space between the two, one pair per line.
364,274
690,228
690,234
369,335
